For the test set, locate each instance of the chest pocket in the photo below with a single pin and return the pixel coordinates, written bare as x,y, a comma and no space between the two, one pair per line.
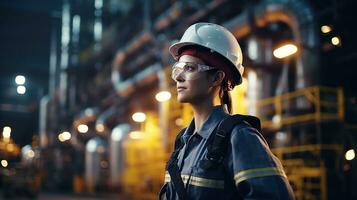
212,177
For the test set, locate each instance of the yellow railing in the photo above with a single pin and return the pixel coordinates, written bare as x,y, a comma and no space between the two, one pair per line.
309,104
307,176
315,149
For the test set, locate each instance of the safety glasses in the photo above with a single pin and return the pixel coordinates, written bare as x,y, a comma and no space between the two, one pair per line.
188,70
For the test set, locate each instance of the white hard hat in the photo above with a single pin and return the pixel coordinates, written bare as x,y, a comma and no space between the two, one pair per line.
217,39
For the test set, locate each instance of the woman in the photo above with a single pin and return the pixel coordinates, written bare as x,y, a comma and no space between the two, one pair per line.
209,64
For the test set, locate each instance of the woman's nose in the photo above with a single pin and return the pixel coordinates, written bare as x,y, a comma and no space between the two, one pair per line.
180,77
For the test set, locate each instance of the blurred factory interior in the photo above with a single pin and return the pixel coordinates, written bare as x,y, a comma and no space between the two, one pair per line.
87,105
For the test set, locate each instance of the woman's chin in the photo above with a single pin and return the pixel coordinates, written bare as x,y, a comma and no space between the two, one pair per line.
182,99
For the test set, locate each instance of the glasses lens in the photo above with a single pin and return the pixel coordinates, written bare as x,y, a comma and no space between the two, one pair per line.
190,67
189,71
175,72
179,65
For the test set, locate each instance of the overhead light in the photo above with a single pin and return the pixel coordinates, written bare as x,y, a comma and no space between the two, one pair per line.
21,89
66,135
179,122
139,117
285,50
326,28
282,136
98,4
27,152
30,153
117,134
91,145
276,119
20,80
4,163
82,128
136,135
60,137
6,132
163,96
350,154
253,48
336,41
100,128
89,111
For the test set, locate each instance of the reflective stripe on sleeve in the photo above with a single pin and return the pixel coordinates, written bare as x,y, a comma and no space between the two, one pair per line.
199,181
258,172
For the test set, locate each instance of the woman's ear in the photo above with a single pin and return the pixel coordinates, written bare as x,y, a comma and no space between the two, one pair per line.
218,78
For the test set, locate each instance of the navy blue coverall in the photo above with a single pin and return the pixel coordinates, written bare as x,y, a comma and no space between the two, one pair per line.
249,170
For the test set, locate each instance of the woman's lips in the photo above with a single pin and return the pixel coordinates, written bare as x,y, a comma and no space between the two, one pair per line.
180,88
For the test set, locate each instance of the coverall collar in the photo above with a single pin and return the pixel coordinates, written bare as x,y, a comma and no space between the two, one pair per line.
218,113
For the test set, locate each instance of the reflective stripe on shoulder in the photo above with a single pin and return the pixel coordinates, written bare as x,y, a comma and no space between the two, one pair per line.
258,172
199,181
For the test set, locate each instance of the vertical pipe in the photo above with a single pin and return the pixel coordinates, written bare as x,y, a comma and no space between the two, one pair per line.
116,154
53,63
48,119
65,40
98,29
147,18
163,109
283,80
90,170
253,95
43,121
76,27
72,93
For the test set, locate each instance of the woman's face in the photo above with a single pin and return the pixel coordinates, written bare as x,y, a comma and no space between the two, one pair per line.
193,91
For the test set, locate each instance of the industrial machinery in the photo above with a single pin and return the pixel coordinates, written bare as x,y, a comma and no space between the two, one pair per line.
295,92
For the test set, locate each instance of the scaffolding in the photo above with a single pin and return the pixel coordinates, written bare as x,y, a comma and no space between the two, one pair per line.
308,166
308,104
306,170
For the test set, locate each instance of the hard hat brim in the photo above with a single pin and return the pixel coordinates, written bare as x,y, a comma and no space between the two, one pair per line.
174,49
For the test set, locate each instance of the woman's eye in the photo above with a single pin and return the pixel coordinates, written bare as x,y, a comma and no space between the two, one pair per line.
190,68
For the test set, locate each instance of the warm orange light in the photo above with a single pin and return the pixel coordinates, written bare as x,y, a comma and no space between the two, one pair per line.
4,163
100,128
350,154
66,135
11,147
6,132
163,96
336,41
326,28
31,153
139,117
82,128
136,135
285,51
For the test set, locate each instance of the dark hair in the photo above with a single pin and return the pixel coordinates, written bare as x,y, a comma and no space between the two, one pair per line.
224,95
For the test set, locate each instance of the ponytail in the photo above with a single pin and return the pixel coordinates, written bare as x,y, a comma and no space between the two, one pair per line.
224,94
226,99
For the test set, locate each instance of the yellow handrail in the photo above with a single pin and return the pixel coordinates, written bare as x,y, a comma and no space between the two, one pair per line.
315,106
